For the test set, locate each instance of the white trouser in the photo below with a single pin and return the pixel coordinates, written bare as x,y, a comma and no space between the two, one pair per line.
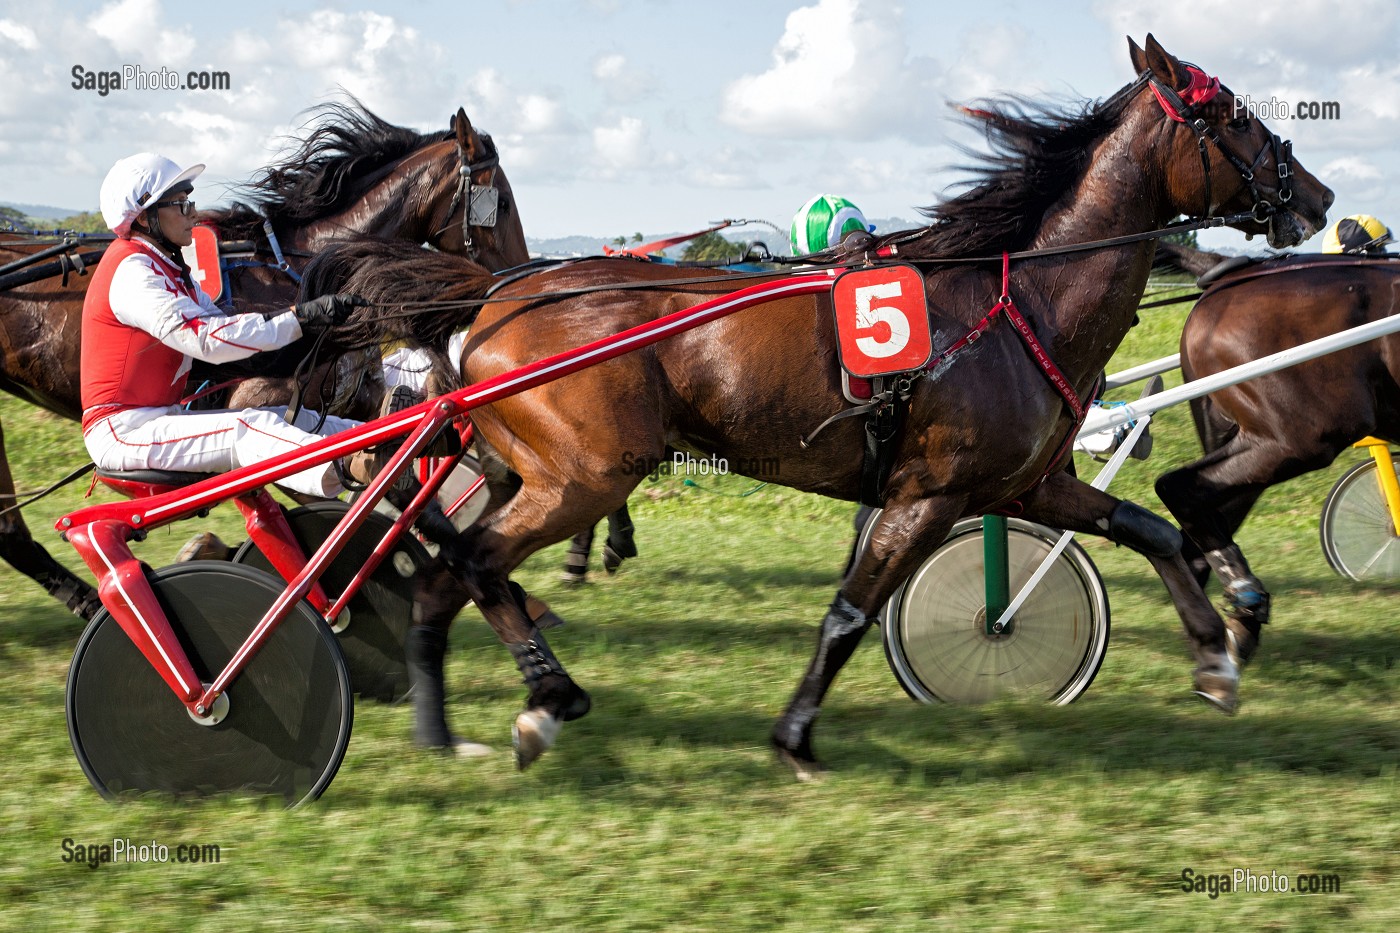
405,366
212,442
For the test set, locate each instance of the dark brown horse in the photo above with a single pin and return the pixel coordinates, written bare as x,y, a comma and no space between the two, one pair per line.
1260,433
354,173
985,426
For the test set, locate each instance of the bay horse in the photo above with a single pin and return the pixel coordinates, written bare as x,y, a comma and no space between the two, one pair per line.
353,173
985,426
1272,428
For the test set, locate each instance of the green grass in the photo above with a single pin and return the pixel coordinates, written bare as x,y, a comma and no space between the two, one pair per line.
664,810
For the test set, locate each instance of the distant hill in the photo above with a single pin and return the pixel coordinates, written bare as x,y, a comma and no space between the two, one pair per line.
778,243
40,211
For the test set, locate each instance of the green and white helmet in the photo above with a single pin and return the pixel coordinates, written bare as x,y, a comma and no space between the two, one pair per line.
824,222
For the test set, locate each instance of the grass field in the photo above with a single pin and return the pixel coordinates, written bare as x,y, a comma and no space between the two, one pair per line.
664,809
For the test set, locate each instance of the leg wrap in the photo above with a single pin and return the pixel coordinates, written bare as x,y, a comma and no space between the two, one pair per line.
576,561
1244,591
622,535
426,648
536,660
841,632
1143,531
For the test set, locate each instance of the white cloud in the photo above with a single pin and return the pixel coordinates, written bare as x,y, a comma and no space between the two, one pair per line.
840,67
1349,167
21,36
134,29
622,146
620,81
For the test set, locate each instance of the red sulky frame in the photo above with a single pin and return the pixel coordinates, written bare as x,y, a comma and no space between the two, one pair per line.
101,533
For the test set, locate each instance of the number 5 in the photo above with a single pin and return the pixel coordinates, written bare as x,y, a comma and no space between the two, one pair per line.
868,318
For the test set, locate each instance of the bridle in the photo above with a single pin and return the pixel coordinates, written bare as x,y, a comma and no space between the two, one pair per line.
1185,107
482,200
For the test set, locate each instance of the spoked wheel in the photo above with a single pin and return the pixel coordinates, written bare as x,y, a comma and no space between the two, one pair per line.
287,723
935,624
380,613
1358,537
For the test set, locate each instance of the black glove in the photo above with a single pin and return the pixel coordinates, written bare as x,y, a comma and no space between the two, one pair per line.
327,311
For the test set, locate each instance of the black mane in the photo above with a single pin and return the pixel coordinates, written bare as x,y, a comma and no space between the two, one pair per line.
348,147
1036,152
391,274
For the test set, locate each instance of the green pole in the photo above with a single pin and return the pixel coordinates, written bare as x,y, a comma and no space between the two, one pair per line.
996,573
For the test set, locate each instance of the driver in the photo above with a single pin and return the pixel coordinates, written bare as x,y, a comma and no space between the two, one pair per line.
1357,234
143,322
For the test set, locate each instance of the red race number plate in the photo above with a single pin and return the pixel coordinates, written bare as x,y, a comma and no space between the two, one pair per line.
881,320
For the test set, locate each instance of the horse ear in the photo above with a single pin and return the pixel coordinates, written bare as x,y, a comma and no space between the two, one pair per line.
1138,57
466,136
1165,65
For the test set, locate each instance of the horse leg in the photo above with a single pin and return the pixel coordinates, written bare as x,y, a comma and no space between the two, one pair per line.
540,512
19,549
576,562
621,543
1063,501
1212,497
909,530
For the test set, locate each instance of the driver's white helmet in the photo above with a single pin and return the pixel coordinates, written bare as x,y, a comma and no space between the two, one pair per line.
137,183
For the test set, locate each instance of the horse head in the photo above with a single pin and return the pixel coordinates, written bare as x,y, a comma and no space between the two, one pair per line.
477,217
1218,157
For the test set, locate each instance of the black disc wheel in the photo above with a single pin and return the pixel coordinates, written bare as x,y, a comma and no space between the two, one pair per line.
935,623
288,716
381,612
1358,534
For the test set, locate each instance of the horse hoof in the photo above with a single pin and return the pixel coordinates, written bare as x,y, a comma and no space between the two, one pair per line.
1218,684
532,735
204,546
461,748
569,578
1240,640
806,770
611,559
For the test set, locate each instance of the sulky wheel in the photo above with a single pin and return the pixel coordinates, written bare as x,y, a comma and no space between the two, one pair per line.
287,723
1358,536
380,613
934,629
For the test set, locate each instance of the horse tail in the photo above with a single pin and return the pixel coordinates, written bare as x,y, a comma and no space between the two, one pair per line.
415,294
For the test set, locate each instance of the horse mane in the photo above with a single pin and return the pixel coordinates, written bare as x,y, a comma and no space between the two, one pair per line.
348,146
392,274
1036,152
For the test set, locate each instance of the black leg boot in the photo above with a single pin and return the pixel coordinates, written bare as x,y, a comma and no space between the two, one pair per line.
426,649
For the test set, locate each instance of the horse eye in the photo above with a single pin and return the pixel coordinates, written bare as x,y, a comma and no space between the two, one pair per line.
1239,124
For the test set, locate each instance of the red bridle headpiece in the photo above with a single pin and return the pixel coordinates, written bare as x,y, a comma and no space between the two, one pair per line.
1201,90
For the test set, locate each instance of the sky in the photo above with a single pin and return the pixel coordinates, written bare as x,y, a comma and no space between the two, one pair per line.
622,116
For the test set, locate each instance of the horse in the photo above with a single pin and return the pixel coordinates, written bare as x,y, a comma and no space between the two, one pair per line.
985,428
353,173
1274,427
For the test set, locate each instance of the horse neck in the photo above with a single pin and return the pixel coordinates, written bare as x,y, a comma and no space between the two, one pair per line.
1089,300
387,209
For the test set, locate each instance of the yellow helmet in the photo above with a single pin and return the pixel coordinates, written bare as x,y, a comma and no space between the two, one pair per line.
1359,233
